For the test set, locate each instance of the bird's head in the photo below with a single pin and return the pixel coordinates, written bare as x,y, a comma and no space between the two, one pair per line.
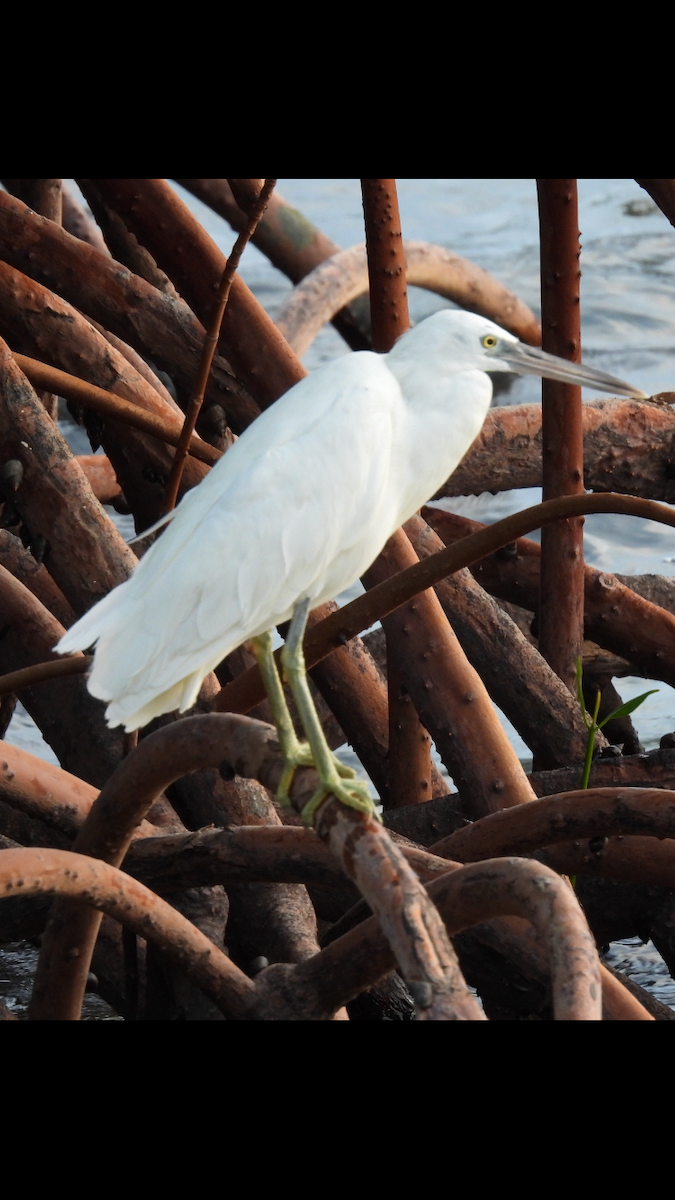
459,341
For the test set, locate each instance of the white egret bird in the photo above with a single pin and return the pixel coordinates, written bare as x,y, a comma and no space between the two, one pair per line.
294,513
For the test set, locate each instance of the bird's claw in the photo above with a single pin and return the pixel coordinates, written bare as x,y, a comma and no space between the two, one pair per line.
355,794
301,756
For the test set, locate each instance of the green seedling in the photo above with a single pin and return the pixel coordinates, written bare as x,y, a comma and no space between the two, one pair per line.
593,725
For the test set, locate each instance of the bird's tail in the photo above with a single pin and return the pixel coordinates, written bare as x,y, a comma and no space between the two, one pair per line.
132,701
182,695
85,632
153,528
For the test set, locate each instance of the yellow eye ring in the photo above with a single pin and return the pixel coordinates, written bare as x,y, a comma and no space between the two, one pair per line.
489,341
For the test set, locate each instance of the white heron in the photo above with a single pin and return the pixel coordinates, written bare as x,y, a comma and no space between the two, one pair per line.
295,511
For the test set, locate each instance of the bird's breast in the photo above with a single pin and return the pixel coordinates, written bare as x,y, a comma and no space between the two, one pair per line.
434,435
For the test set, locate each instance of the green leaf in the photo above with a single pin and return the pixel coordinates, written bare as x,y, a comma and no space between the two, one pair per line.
627,708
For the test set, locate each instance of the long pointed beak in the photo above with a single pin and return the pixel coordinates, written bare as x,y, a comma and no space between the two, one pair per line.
528,360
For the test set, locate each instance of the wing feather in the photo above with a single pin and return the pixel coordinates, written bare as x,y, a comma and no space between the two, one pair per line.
290,511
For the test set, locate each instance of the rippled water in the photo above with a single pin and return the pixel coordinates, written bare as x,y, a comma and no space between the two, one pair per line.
628,329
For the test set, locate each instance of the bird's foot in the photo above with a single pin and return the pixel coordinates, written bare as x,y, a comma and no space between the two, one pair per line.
300,755
354,793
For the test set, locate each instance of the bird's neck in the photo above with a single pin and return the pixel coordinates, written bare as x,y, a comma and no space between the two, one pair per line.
443,416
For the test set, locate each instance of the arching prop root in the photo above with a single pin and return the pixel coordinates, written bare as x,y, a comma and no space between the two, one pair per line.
464,897
339,280
318,988
31,872
250,745
203,741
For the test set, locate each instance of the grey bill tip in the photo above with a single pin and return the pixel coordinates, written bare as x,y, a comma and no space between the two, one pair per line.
529,360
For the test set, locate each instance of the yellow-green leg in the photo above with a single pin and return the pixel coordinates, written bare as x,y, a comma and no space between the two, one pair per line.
295,752
335,778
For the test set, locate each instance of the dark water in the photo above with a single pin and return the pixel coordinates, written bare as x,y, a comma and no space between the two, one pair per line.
628,329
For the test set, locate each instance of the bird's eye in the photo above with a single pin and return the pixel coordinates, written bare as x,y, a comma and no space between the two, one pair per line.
489,341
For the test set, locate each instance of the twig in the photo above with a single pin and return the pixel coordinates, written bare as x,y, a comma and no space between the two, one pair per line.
85,554
42,672
255,349
291,242
81,392
210,343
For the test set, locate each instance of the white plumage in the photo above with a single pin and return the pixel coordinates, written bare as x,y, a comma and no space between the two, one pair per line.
299,507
